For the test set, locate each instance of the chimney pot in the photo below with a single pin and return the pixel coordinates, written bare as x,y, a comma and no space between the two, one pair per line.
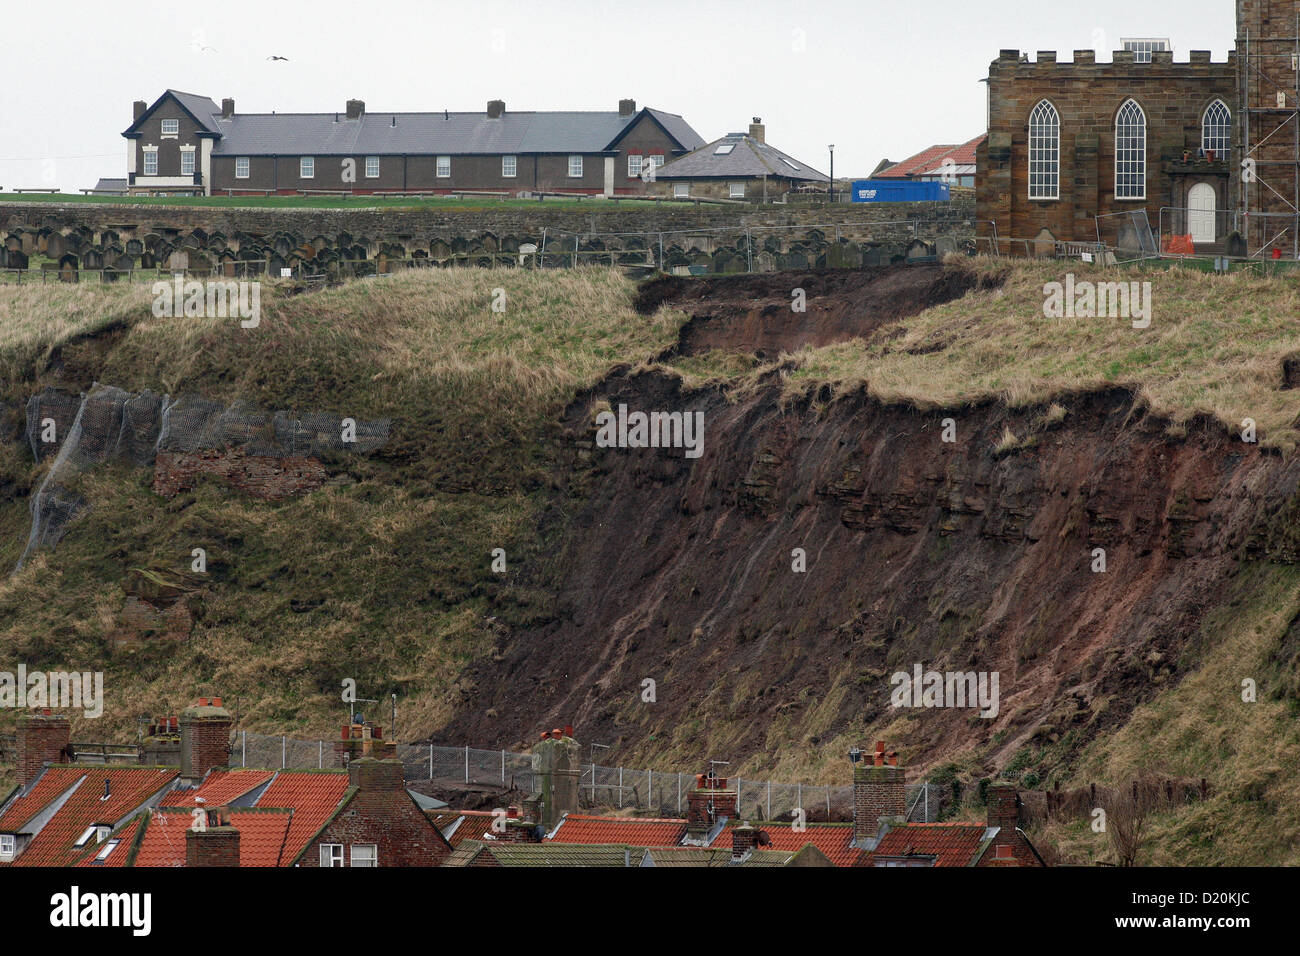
512,813
557,733
626,107
568,730
546,735
757,131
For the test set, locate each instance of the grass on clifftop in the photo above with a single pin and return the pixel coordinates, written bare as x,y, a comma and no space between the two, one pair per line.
1215,346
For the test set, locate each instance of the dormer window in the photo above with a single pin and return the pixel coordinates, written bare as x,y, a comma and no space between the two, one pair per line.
8,846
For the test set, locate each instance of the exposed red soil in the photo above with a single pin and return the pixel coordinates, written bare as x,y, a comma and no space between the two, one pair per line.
949,555
755,313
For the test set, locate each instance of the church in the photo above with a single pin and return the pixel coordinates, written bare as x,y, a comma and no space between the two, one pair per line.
1207,153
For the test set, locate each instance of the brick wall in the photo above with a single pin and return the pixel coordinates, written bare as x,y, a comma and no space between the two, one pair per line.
216,846
381,812
205,739
262,477
1009,847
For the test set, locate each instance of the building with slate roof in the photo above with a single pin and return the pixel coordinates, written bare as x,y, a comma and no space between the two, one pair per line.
740,166
187,144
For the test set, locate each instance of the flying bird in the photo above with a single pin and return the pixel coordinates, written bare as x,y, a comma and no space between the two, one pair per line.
285,58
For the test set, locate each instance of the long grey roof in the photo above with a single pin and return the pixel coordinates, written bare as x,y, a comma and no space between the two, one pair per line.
326,134
747,158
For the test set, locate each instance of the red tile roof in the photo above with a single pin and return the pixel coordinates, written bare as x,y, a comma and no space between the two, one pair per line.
474,825
952,844
125,838
130,788
261,838
218,788
833,839
634,831
313,795
962,154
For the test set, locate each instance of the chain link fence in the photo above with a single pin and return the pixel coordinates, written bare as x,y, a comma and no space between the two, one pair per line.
655,791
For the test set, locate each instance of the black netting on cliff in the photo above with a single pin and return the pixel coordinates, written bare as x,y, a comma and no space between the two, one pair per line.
193,424
110,425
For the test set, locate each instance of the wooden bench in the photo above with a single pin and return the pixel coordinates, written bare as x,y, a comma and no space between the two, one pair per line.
36,190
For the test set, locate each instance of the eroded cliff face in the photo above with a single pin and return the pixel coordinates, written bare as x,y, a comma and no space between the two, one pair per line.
975,554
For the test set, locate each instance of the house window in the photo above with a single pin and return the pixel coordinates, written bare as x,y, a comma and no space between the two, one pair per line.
372,167
187,162
1130,152
365,854
657,159
171,127
509,167
1216,130
1044,152
8,846
634,161
681,190
736,190
307,167
86,834
575,167
444,166
725,149
1143,48
241,167
150,161
331,854
109,847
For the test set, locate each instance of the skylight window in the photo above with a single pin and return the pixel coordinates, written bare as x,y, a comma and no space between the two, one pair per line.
788,163
109,847
724,149
90,831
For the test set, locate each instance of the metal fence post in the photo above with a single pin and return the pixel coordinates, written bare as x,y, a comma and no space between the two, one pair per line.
799,798
679,791
620,788
284,751
467,763
769,799
661,269
828,803
320,755
430,761
243,748
649,786
503,768
738,795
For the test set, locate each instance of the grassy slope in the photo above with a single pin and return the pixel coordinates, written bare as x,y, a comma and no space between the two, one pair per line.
405,548
400,556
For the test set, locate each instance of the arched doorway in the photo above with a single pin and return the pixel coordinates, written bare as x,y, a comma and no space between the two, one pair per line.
1201,213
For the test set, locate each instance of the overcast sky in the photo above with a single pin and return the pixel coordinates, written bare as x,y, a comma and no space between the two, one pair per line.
876,79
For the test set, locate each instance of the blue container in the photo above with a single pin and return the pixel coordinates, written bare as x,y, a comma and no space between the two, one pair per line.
898,190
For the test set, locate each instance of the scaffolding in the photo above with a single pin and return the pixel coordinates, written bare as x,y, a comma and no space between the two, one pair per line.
1264,178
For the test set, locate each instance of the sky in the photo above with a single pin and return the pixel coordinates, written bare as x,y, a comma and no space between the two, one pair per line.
876,79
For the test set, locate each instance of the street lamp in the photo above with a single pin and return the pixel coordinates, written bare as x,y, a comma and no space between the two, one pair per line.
832,183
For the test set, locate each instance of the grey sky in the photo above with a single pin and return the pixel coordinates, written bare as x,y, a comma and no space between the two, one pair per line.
875,79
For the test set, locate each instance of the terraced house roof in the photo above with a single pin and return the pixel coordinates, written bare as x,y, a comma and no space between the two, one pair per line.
77,798
945,844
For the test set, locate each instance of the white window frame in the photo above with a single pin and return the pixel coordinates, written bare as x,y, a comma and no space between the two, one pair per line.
372,860
375,161
1143,47
681,190
575,162
187,157
735,190
634,163
86,834
8,846
150,153
509,167
1216,129
242,163
1044,151
443,167
175,128
331,855
1131,152
657,159
104,854
306,167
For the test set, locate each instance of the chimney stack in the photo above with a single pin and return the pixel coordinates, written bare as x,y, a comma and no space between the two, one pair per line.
42,738
217,845
556,770
361,739
205,738
744,839
371,775
710,802
227,108
355,109
139,108
757,131
879,794
1004,806
496,108
626,107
